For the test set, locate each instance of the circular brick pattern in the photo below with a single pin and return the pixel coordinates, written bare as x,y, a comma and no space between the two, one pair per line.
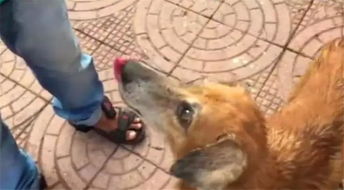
21,97
75,160
309,42
92,9
318,11
174,35
137,167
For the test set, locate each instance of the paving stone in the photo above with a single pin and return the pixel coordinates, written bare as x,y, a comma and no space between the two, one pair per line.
126,181
38,131
264,19
131,166
203,7
153,148
318,11
88,172
80,151
71,178
113,166
64,141
306,37
87,43
234,58
186,75
297,9
29,111
25,99
112,9
48,159
113,30
286,72
55,125
6,112
219,47
159,180
104,57
18,105
146,169
15,69
12,95
155,59
59,187
6,86
193,41
170,31
85,10
172,184
308,41
79,156
101,181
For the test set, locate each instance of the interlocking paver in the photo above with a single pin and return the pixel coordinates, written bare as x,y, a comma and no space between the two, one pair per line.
126,169
193,41
264,19
48,159
92,9
309,39
309,42
203,7
70,177
166,32
18,104
186,74
287,72
318,11
64,142
215,43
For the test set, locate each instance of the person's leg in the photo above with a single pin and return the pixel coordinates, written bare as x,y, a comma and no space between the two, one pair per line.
17,169
39,32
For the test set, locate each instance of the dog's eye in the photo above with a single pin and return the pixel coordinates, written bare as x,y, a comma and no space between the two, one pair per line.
185,114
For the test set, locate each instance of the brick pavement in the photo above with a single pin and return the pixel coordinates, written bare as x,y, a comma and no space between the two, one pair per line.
266,44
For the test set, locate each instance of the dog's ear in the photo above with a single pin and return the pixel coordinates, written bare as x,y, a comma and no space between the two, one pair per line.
213,167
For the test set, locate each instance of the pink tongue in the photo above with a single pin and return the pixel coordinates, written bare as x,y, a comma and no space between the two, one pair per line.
119,63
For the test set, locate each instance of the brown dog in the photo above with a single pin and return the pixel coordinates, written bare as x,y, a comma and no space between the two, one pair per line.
222,141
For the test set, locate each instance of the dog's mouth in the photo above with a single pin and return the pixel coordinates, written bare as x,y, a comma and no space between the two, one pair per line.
144,90
118,71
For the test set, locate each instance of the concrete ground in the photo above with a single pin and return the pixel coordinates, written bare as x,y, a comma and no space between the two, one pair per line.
266,43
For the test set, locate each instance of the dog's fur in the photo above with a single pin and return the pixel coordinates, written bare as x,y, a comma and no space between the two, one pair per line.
222,141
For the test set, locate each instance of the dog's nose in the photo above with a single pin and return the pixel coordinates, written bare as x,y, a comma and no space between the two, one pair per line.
128,71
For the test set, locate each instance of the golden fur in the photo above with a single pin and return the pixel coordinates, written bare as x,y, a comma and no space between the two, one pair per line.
297,148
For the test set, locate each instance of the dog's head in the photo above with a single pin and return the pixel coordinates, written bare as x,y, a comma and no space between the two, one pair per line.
216,131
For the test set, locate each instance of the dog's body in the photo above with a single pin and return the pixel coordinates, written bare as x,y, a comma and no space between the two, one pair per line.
222,141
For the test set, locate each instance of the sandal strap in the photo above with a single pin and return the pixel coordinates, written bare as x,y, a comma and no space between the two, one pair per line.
124,120
108,110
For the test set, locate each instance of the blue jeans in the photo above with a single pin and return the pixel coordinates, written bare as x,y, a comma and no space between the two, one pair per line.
40,33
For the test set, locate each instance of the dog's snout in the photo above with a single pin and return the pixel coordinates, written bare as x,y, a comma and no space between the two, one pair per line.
134,71
128,73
